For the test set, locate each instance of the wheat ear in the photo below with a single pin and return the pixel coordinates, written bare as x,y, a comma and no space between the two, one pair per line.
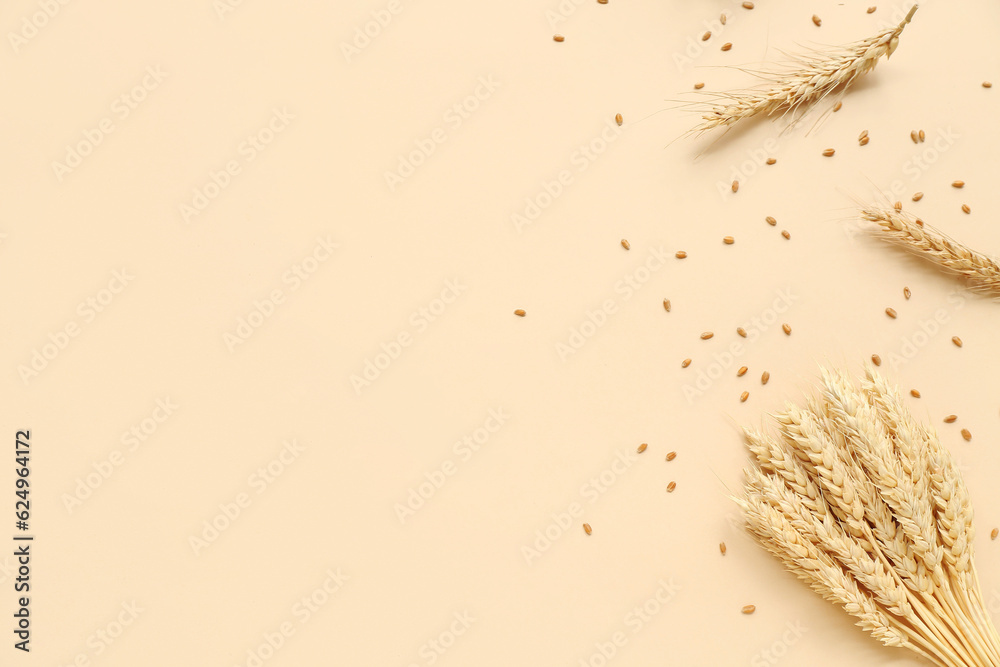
863,502
814,77
979,272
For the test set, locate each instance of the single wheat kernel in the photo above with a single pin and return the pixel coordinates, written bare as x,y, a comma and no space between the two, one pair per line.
666,305
918,196
743,371
958,184
619,119
914,393
728,240
956,340
787,329
817,20
836,107
950,419
914,137
722,19
877,360
680,254
707,335
625,244
519,313
764,377
747,5
966,434
871,10
699,86
671,487
828,152
749,609
744,396
587,529
863,142
727,46
736,186
685,363
786,234
890,312
906,292
602,2
641,448
771,221
966,209
558,38
706,36
770,160
722,548
898,206
671,456
741,331
987,84
994,533
921,136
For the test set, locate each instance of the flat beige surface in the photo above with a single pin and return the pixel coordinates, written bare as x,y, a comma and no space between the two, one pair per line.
219,309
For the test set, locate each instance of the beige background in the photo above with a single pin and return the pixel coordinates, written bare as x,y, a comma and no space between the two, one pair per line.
446,233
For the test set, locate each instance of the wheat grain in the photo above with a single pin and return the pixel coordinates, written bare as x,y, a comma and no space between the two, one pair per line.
863,503
979,272
812,77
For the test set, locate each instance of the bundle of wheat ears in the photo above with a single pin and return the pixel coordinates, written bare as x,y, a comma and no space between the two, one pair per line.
811,78
979,272
867,506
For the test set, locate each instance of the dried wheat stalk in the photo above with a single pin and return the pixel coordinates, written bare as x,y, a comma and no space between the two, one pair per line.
814,76
867,506
979,272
